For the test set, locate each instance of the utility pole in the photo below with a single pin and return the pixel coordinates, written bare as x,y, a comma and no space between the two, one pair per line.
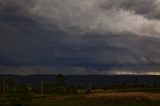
42,87
7,83
4,86
7,87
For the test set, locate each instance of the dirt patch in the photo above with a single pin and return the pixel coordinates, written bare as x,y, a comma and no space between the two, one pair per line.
137,95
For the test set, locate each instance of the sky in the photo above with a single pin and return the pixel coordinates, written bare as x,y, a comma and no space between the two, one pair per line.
80,37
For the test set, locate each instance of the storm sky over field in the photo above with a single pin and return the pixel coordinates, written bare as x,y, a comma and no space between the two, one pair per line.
80,37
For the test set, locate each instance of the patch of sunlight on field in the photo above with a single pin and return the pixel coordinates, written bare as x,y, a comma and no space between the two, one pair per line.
136,95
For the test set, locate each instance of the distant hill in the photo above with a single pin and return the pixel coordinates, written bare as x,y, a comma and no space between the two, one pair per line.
92,80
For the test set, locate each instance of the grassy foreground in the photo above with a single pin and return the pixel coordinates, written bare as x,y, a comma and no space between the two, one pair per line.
99,101
95,99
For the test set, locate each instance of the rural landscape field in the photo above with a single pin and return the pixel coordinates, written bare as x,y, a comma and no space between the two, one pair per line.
60,93
95,99
100,99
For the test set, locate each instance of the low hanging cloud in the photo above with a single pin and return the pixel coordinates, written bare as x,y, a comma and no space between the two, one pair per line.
82,36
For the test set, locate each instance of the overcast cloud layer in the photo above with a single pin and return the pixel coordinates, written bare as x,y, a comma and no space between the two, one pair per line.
80,36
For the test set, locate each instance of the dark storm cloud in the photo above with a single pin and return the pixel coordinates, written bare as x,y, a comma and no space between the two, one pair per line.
77,37
15,6
147,8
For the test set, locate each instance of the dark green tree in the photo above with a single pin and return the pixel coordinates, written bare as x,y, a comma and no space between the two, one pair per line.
11,83
60,80
135,82
19,96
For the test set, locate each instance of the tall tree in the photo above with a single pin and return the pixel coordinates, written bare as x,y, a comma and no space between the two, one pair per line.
19,96
60,79
135,82
11,83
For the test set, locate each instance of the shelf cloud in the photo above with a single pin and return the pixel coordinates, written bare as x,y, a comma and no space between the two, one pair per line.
82,36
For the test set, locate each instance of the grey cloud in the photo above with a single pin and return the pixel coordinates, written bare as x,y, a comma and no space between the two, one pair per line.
35,39
83,16
35,45
15,6
87,16
147,8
